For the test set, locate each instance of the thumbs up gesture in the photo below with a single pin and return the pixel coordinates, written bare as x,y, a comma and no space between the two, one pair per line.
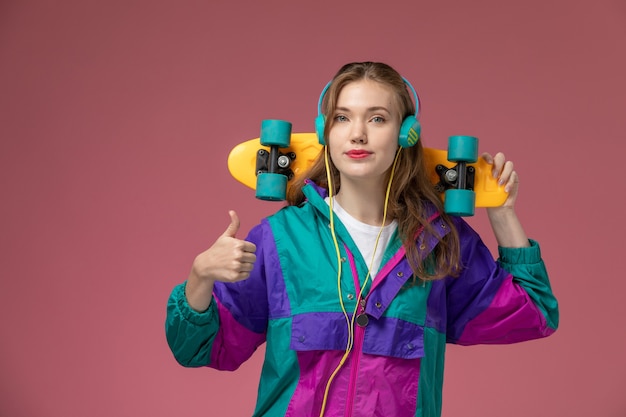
229,259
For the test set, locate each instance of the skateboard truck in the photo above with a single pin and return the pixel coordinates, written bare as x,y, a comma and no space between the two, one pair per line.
272,168
460,176
274,162
457,183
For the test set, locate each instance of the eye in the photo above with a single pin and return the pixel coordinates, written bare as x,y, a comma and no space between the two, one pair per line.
340,118
378,119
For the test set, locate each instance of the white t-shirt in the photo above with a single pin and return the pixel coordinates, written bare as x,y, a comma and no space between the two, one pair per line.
364,235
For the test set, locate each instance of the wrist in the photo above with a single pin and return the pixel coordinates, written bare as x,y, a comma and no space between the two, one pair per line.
198,291
507,228
502,213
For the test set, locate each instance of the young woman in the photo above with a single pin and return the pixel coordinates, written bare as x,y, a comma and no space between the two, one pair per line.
357,285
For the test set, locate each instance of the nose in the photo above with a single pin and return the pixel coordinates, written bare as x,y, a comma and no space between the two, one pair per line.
358,133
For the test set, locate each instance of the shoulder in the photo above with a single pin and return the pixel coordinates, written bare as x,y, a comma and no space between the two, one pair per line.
288,217
302,212
463,227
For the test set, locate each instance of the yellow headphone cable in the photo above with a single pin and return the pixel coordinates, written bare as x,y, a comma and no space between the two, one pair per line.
350,322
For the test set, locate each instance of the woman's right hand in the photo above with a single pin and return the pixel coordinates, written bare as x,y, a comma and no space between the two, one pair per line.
228,260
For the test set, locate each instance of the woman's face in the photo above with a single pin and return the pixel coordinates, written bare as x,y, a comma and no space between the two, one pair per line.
363,138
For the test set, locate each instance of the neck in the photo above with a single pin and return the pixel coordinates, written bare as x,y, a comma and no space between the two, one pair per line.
366,204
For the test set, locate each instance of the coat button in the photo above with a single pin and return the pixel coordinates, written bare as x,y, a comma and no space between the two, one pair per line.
378,304
362,320
301,339
350,296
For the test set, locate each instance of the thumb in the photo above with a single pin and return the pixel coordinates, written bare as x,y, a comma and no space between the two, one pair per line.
233,227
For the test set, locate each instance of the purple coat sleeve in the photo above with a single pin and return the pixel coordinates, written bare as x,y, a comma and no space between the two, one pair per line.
499,302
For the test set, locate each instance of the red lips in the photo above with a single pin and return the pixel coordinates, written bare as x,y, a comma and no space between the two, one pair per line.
358,153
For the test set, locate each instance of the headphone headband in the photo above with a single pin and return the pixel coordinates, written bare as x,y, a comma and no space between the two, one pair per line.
416,98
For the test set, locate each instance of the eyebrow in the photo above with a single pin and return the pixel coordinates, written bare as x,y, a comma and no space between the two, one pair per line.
370,109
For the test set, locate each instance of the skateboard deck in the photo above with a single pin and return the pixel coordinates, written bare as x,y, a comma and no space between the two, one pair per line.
245,162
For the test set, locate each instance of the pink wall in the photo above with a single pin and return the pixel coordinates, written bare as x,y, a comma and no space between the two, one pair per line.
116,119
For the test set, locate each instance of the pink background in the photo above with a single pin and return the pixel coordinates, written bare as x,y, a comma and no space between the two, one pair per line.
116,118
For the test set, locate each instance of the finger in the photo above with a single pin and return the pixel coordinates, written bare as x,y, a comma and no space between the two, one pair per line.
243,248
507,172
233,227
513,182
248,247
246,267
243,275
504,172
487,157
248,257
498,164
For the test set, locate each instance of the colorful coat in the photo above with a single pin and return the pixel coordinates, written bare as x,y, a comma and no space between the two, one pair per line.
396,365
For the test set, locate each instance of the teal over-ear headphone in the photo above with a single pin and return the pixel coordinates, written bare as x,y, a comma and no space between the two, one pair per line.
409,131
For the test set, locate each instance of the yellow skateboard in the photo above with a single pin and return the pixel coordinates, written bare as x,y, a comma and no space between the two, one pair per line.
267,163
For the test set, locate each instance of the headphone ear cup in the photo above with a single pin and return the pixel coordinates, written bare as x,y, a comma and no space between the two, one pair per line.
320,124
409,132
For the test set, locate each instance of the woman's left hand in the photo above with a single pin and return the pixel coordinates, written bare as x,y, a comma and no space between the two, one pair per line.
505,174
504,221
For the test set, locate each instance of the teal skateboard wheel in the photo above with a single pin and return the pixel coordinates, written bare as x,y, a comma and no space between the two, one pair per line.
271,187
275,133
462,149
459,202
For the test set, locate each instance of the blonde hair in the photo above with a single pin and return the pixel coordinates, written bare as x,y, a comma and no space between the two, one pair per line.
412,195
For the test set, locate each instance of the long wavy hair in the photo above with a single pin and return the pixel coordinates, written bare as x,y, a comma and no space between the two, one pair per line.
412,195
